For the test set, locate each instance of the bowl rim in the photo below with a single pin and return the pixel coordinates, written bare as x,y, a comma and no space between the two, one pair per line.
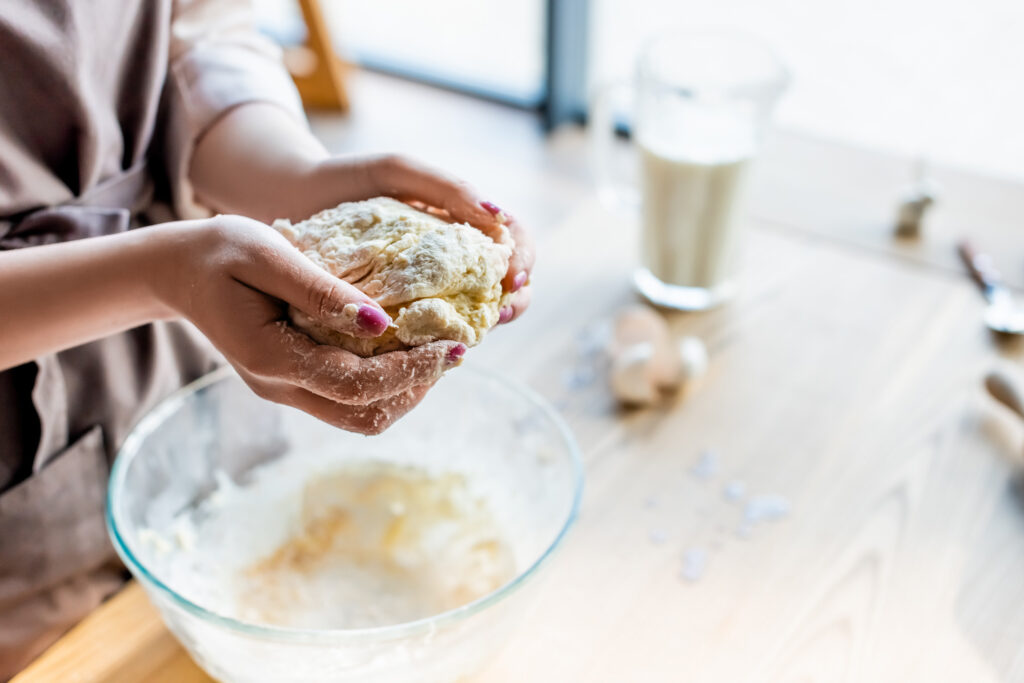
168,406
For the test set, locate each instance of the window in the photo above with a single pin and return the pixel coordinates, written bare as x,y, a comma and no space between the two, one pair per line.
940,79
495,49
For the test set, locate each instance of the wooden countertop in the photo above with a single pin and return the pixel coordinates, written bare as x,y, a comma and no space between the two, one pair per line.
845,379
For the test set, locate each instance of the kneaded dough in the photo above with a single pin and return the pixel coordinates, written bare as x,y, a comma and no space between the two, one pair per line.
437,280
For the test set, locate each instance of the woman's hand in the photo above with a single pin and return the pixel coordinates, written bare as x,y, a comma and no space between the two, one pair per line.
402,178
233,278
259,161
349,179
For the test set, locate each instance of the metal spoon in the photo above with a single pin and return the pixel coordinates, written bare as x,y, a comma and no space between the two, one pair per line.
1002,314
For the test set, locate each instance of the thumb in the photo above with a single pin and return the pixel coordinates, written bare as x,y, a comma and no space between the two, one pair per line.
341,306
285,273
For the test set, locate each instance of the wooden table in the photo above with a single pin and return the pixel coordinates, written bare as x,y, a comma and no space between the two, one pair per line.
845,379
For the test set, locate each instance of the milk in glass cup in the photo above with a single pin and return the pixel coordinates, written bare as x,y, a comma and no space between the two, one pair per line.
701,104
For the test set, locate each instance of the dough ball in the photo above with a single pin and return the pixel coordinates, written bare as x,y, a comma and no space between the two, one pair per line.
437,280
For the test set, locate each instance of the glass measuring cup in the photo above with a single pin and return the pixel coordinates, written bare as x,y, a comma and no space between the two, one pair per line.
701,103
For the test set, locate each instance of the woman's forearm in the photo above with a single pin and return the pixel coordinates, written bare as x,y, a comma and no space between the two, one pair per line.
58,296
258,161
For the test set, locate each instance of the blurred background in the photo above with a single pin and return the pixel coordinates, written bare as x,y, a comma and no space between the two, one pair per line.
925,78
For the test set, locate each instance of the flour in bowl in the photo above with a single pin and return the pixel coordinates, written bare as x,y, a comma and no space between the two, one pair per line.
368,544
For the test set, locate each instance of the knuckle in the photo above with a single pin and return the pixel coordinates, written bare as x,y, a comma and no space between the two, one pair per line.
221,223
522,259
348,427
384,173
522,236
391,163
322,298
360,392
343,421
227,228
395,160
463,195
346,381
359,419
257,254
234,241
428,357
217,236
375,422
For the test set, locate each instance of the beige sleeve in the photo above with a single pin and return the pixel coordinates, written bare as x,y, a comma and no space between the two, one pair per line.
218,60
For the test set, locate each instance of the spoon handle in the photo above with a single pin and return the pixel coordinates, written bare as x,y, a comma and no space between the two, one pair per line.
980,266
1003,390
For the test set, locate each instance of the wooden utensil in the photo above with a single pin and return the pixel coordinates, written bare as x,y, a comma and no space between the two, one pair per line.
1002,389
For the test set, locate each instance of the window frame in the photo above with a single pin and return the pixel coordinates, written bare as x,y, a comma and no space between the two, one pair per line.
562,96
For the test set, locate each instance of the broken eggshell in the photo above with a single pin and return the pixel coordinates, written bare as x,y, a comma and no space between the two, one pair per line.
645,360
631,377
693,359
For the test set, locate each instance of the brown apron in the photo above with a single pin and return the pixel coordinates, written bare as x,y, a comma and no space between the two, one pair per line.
101,103
88,92
56,562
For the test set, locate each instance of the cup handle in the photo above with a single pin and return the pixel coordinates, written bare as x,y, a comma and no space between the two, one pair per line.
612,189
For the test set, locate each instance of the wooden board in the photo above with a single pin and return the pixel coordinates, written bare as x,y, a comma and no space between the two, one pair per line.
124,641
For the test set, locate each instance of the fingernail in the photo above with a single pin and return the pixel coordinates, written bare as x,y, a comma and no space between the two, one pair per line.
372,319
519,281
505,314
455,355
495,211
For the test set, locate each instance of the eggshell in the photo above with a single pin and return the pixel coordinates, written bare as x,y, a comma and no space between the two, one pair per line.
630,375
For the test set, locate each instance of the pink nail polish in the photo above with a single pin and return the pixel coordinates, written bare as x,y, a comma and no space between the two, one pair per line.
505,314
491,207
519,281
372,319
455,354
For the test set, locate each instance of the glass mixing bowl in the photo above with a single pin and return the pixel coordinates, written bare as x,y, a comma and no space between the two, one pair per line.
501,437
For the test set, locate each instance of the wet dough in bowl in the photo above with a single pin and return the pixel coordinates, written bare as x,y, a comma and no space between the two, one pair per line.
437,280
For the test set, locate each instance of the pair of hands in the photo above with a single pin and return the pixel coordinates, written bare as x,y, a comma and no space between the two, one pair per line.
239,275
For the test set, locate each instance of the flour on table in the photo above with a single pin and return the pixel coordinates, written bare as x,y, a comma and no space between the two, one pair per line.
706,466
762,508
735,490
695,561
